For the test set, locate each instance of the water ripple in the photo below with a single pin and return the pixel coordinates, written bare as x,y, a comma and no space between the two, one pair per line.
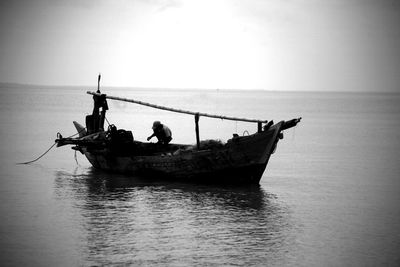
130,220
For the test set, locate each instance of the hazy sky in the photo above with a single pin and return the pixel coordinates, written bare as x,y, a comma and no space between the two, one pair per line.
259,44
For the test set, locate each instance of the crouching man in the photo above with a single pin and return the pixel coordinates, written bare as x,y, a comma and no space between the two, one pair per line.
162,132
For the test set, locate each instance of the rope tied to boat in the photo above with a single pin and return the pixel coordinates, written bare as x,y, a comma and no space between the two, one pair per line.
58,137
29,162
76,159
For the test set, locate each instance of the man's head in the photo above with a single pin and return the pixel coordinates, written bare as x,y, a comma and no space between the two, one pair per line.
156,125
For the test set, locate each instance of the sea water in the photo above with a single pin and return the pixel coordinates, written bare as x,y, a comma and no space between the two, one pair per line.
330,195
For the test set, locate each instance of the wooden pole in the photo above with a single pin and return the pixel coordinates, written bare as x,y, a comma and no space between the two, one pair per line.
98,83
259,127
177,110
196,120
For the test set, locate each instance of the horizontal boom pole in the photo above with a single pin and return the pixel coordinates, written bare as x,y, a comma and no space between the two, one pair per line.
177,110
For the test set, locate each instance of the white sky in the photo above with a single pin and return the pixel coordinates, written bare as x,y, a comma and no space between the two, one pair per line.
345,45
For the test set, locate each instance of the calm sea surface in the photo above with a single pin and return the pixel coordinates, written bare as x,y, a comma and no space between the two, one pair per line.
330,195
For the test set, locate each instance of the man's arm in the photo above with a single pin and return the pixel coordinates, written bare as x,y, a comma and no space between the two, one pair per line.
151,136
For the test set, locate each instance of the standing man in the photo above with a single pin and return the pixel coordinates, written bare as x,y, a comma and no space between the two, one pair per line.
162,132
99,102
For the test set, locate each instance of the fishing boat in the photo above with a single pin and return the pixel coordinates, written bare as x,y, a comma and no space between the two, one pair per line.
241,160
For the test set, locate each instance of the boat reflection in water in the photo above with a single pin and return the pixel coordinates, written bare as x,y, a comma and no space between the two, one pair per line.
132,221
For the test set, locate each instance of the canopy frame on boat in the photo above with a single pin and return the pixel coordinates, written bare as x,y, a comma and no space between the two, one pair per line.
196,114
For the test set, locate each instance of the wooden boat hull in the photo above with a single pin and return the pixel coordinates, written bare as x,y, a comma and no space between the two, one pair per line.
242,160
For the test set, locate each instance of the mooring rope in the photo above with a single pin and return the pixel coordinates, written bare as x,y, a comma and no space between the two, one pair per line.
76,159
28,162
58,134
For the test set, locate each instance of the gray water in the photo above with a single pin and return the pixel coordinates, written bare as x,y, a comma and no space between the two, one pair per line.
330,195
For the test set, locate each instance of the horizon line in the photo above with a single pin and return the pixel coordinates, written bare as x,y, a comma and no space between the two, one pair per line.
199,89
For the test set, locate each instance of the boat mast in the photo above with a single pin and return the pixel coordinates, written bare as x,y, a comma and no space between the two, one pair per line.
196,114
98,83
